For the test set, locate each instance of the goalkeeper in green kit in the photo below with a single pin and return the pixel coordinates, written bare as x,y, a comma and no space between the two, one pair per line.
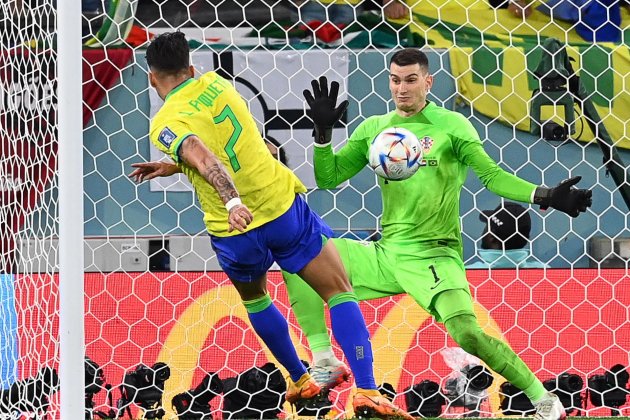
420,252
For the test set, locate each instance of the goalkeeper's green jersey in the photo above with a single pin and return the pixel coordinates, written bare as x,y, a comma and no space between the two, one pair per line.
422,212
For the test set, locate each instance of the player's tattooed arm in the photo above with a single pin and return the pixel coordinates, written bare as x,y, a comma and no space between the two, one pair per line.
195,153
215,173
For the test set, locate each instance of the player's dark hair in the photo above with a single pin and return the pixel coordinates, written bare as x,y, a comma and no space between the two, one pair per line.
410,56
169,53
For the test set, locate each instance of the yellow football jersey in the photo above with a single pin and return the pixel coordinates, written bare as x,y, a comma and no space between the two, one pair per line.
211,109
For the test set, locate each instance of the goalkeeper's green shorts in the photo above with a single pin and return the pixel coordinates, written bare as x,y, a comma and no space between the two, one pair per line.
377,271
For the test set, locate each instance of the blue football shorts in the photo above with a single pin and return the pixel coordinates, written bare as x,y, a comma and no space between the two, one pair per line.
292,240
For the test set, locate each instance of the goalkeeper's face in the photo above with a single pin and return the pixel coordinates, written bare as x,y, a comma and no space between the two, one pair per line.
409,86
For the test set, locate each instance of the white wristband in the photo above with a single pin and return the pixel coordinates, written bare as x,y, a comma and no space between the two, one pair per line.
236,201
322,144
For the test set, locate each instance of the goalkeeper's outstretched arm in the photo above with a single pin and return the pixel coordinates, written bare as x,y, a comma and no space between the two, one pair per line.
564,197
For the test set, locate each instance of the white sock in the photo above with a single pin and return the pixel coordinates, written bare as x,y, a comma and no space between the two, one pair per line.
544,397
324,357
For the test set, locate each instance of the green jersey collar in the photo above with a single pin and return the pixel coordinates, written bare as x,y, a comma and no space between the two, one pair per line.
426,107
178,87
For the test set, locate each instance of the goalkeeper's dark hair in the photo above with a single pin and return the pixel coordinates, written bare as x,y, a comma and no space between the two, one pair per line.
410,56
169,53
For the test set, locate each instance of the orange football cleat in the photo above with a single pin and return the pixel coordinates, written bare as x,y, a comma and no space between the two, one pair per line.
304,388
369,403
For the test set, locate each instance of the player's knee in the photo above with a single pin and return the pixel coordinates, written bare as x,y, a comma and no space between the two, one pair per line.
466,333
468,341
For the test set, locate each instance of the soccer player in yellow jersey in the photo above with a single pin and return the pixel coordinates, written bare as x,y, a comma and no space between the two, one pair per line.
254,214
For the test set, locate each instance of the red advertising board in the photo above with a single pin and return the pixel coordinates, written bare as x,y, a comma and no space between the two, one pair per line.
562,320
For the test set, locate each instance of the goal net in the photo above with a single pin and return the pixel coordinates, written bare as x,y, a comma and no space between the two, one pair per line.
165,331
28,205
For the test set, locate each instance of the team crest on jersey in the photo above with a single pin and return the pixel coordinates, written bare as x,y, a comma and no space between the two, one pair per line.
427,143
166,137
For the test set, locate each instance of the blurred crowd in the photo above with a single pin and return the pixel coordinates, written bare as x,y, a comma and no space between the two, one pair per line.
602,14
316,15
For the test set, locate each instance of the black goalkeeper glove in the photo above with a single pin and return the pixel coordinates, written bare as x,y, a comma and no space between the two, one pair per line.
323,110
564,197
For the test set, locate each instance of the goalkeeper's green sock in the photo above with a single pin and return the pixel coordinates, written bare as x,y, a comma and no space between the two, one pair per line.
308,308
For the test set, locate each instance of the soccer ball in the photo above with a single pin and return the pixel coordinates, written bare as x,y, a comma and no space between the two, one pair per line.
395,154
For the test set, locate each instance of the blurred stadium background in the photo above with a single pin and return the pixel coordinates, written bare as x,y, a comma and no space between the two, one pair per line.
153,289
